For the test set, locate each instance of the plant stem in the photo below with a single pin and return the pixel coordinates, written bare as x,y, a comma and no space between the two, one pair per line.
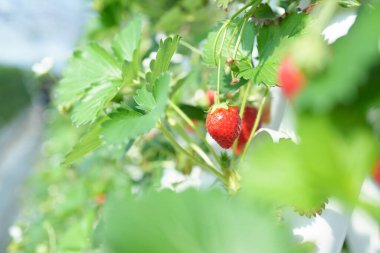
230,40
227,23
217,97
52,238
173,141
245,98
239,38
219,66
189,46
258,118
192,125
241,113
180,129
215,43
243,9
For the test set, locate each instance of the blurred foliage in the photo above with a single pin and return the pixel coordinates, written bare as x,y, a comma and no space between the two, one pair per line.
65,202
306,174
18,88
353,56
192,221
116,91
189,18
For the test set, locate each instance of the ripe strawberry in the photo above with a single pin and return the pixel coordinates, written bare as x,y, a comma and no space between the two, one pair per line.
290,77
376,173
249,118
224,124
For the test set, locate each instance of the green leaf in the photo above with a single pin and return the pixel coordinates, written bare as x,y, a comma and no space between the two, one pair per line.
264,11
272,40
95,100
77,236
349,3
145,100
270,37
127,41
290,5
172,20
193,221
248,38
90,65
193,112
88,143
225,82
165,53
125,125
353,55
304,175
130,69
244,50
264,73
191,5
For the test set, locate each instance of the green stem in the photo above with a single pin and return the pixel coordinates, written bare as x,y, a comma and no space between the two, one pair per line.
244,8
256,125
180,129
196,130
245,98
219,66
217,97
52,238
239,38
227,23
242,108
230,40
189,46
173,141
215,43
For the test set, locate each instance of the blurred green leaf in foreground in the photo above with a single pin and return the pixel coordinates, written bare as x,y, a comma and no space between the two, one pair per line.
191,222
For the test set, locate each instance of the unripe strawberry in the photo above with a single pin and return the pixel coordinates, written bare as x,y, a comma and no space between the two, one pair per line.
249,118
223,123
290,77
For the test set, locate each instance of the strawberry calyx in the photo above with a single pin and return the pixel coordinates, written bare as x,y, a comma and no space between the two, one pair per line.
218,106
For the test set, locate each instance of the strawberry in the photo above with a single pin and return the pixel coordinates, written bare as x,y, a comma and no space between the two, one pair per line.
211,97
290,77
376,173
249,118
223,123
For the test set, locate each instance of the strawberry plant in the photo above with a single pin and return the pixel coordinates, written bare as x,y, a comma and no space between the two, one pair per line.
181,90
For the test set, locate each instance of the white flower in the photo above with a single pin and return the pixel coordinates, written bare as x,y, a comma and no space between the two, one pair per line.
178,182
15,233
44,66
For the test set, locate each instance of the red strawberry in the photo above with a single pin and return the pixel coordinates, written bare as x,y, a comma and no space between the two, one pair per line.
376,173
224,124
249,118
290,77
211,97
